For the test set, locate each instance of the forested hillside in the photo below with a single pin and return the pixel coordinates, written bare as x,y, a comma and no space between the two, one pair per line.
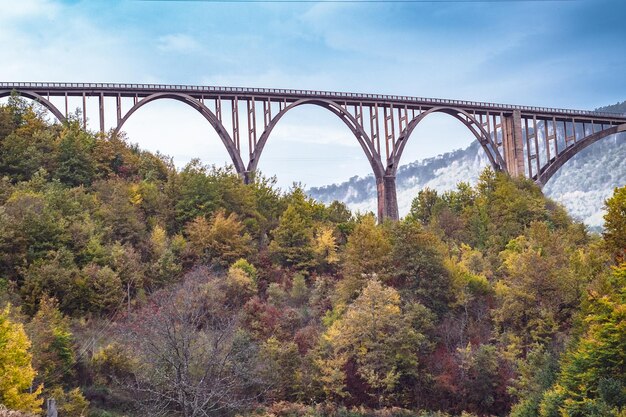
130,288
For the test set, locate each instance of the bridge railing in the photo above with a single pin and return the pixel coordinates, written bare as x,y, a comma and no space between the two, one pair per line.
299,93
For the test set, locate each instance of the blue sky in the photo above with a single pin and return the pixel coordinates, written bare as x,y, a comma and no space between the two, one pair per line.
568,54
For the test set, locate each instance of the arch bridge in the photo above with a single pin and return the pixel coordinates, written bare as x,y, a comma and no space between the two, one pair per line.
521,140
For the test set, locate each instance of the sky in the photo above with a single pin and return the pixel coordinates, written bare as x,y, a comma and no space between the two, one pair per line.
567,54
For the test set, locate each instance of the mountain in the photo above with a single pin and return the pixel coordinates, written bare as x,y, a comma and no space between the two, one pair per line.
581,185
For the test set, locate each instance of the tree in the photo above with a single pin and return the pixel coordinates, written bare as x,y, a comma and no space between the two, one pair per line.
240,283
191,358
122,220
16,369
70,403
221,241
23,155
592,381
293,239
615,223
479,376
196,194
299,291
53,350
536,374
55,276
419,269
424,206
106,293
74,160
281,362
538,292
326,246
368,248
378,338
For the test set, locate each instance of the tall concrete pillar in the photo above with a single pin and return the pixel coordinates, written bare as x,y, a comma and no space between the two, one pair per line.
514,145
247,176
387,200
391,199
380,198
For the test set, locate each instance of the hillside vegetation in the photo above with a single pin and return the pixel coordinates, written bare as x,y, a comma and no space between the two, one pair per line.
128,287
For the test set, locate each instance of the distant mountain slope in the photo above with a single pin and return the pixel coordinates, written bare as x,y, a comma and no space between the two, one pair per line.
581,185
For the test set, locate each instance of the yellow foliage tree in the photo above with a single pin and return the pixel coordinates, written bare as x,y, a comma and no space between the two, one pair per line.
16,369
326,246
158,240
377,336
221,241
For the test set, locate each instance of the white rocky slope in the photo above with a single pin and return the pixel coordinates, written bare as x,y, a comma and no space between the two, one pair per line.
581,185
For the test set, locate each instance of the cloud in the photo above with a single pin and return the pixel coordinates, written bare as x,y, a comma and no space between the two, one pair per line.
10,11
178,42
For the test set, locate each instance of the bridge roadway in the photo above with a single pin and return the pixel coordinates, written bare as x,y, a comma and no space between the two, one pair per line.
522,140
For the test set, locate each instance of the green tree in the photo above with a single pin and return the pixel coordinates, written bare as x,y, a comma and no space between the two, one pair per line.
119,212
75,164
615,223
197,195
55,276
104,287
424,206
23,155
52,339
592,380
293,239
419,269
16,369
480,372
366,238
281,368
538,292
536,373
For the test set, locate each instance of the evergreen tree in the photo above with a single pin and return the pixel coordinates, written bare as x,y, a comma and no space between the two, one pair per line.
615,223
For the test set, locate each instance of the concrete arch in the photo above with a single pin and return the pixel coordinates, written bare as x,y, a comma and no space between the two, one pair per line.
554,165
337,110
41,100
483,137
232,150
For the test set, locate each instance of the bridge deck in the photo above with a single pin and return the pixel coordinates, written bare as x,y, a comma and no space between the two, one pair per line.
278,95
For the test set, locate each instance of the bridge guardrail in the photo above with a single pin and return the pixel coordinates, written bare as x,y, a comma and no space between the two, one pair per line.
316,93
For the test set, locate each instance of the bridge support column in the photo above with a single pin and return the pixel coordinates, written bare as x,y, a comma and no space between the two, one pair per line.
514,145
387,199
247,176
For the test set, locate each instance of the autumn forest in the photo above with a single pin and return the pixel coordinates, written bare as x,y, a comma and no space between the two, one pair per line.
129,287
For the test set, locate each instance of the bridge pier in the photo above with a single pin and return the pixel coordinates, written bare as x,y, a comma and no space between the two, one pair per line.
387,198
247,176
514,144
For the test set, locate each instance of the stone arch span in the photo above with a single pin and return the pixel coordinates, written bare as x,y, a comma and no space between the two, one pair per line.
38,98
357,130
483,137
553,166
221,131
